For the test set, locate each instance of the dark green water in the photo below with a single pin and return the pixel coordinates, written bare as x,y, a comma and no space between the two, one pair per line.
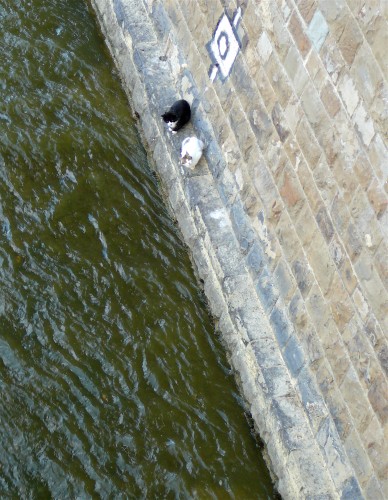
112,382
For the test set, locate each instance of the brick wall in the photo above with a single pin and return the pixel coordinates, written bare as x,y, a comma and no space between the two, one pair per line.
297,162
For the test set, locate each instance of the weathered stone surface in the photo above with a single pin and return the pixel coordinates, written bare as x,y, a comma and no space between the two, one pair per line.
296,29
350,41
285,215
303,274
348,93
330,99
317,30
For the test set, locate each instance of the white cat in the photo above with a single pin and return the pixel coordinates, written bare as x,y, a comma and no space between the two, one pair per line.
191,152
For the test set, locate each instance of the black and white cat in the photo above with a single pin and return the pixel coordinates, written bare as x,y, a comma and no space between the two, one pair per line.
191,152
177,116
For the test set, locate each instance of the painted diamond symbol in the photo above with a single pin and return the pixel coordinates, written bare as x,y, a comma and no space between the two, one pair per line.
224,46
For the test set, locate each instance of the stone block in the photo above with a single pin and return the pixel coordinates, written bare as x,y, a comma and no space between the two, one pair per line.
293,64
381,262
255,259
364,125
325,224
353,242
341,306
346,181
340,214
373,490
279,80
377,37
312,400
330,99
261,124
293,152
378,198
372,286
338,411
307,335
313,108
266,291
351,490
338,358
266,190
250,198
361,303
293,113
276,159
264,48
356,400
377,395
334,454
308,143
363,170
289,410
291,191
296,29
318,309
306,9
279,122
285,280
303,275
321,262
242,228
314,198
350,41
287,237
265,88
376,445
378,110
348,92
366,73
280,36
293,356
332,58
281,325
316,69
277,379
361,354
377,156
242,132
317,30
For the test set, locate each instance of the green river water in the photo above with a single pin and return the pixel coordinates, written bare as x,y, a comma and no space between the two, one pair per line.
113,383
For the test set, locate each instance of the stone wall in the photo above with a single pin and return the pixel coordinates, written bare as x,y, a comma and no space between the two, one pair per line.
286,214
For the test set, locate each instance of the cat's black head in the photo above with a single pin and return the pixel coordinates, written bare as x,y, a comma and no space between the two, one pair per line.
169,117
